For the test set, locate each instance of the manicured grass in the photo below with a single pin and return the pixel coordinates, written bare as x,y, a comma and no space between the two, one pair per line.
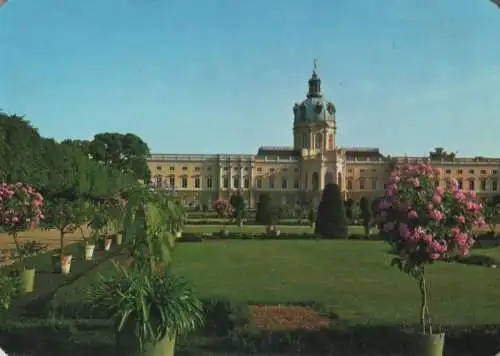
258,228
354,278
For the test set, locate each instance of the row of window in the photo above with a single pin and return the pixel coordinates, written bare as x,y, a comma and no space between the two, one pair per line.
317,141
447,171
284,184
483,184
235,182
209,169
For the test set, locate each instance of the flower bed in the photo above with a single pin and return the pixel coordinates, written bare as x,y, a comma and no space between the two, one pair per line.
287,317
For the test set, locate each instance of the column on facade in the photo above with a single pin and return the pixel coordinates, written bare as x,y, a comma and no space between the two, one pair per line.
220,175
322,173
242,169
251,189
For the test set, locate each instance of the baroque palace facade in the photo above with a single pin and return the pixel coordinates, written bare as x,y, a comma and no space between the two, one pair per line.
297,174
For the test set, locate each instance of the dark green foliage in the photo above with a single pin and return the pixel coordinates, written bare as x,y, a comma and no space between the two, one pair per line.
239,207
57,170
349,203
331,221
124,153
366,214
374,206
266,211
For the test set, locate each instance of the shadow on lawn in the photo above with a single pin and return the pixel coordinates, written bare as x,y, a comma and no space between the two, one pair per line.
47,282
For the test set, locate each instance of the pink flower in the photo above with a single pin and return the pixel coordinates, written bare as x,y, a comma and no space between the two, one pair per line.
415,182
437,215
436,199
439,190
451,213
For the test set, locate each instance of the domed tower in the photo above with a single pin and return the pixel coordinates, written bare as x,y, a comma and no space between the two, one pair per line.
314,124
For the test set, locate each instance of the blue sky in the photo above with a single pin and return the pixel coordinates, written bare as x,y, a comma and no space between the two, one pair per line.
221,76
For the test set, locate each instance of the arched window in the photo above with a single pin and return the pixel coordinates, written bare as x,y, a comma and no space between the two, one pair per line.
329,178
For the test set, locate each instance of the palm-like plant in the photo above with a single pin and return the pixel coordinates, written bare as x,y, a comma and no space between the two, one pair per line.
151,306
150,310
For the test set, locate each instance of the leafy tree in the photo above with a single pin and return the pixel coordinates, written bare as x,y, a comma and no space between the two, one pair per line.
366,214
374,206
348,208
266,211
238,208
491,211
331,220
221,208
127,153
60,214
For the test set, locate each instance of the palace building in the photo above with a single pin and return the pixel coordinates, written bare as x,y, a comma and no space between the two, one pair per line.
297,174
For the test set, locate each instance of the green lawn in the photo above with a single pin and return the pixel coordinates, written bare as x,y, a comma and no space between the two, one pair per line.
353,278
257,228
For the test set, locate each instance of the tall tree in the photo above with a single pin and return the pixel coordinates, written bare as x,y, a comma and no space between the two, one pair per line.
331,221
127,153
366,214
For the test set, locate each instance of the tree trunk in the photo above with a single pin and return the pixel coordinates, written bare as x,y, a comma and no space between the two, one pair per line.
18,248
61,242
425,319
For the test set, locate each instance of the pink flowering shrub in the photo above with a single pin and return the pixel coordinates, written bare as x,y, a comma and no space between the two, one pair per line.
424,222
20,210
222,208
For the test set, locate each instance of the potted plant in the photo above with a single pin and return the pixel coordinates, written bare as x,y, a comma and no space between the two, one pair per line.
99,224
20,210
83,213
150,310
151,307
177,216
61,215
116,213
424,223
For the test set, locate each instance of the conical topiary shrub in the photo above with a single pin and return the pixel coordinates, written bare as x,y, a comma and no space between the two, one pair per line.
331,221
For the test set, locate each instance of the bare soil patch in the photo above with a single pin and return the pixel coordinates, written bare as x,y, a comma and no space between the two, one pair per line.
280,318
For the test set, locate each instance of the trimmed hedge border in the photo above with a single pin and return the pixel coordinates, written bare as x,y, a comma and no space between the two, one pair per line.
248,222
200,237
230,331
